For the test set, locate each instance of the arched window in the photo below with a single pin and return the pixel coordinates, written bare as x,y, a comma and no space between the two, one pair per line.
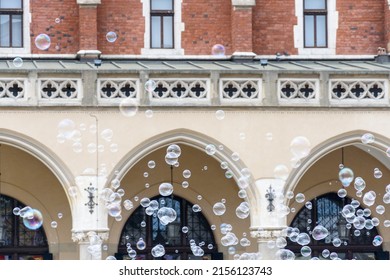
16,241
326,211
175,241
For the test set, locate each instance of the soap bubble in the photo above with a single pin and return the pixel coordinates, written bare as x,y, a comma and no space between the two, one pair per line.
235,156
186,173
348,211
334,256
42,41
196,208
210,149
151,164
171,159
141,245
158,251
308,205
355,203
184,229
245,242
319,232
346,176
26,212
185,184
342,193
91,147
165,189
219,209
242,211
16,211
359,184
305,251
377,241
72,191
336,242
199,197
150,86
220,114
359,222
386,198
229,174
53,224
229,239
114,209
380,209
368,138
174,149
166,215
285,254
242,194
300,147
386,223
281,172
143,224
18,62
111,36
303,239
218,50
66,128
110,258
325,253
128,107
300,198
149,113
33,219
107,134
269,136
369,198
60,215
145,202
281,242
377,173
77,147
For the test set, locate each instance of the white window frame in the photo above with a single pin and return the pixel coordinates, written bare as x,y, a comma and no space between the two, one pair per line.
332,22
178,28
26,49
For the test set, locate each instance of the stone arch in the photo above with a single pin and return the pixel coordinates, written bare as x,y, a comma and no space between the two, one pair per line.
379,146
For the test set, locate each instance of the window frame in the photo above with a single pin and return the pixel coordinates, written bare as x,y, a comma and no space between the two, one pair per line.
161,14
315,13
12,12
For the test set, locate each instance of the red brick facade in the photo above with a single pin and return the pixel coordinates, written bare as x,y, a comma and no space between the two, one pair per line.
266,28
361,26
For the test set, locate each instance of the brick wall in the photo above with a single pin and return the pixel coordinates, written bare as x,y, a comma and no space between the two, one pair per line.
242,29
387,26
361,26
65,34
124,17
273,23
88,27
206,23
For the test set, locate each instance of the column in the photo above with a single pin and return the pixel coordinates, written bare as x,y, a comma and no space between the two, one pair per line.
88,29
272,216
90,228
241,21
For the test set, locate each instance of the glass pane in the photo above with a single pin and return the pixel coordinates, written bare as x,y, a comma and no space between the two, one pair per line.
6,222
4,31
315,4
168,32
321,31
309,31
162,5
11,4
156,32
17,31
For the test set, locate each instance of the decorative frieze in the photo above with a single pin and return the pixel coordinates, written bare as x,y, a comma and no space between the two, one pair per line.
240,91
118,89
298,91
12,89
62,90
362,92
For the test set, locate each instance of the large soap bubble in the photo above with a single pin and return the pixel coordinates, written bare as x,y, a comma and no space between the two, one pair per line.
33,219
319,232
165,189
42,41
300,147
219,208
346,176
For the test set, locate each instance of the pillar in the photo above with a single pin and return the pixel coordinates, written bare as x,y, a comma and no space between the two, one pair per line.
272,216
241,20
88,29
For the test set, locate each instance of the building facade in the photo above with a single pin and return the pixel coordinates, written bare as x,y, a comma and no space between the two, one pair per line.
279,109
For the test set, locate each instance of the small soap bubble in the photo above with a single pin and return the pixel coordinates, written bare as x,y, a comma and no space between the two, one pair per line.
150,86
111,36
18,62
53,224
220,114
218,50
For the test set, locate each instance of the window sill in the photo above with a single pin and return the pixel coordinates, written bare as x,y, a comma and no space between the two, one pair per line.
14,51
162,52
316,51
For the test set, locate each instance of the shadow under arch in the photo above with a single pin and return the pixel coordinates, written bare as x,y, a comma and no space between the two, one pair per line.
380,144
42,153
186,137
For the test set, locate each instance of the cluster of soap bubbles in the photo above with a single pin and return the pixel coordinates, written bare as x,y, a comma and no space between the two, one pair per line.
32,218
69,131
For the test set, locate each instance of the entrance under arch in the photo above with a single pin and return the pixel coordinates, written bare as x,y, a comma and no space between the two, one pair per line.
17,242
176,237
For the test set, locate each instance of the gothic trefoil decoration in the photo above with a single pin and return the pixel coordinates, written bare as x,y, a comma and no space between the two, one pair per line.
270,196
91,203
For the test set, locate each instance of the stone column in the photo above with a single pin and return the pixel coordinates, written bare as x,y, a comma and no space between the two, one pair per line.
88,29
272,215
241,20
90,228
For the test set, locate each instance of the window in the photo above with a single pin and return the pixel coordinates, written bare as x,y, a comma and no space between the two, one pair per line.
11,23
16,241
315,23
175,241
161,24
326,211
